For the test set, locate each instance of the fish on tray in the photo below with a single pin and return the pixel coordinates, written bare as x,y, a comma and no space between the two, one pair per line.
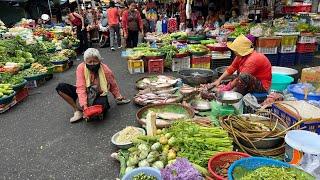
170,116
159,122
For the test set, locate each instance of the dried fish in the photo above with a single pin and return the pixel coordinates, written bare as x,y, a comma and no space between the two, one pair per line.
170,116
159,122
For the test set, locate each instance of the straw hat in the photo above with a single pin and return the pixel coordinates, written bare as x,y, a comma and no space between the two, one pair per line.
241,46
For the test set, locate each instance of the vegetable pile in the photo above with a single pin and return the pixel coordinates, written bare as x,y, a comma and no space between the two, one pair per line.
183,139
7,78
271,173
180,169
143,176
5,90
196,143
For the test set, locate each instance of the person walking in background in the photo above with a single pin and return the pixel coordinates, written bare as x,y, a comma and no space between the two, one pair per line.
132,24
114,28
76,20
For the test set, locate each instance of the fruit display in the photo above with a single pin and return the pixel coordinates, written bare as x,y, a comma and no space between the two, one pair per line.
5,90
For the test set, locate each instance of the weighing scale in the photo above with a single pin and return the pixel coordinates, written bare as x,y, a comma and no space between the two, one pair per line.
225,103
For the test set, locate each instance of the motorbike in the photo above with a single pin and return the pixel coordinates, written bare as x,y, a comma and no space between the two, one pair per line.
104,39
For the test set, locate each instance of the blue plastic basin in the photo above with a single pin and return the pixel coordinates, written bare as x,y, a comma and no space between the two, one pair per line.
147,170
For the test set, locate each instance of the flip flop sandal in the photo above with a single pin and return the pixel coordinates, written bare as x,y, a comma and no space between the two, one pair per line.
123,101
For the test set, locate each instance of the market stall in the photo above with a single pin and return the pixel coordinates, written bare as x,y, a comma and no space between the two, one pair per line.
29,56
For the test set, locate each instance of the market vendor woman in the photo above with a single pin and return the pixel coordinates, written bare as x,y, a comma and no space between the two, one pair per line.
93,82
253,68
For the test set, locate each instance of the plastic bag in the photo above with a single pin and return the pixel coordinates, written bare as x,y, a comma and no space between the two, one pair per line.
311,164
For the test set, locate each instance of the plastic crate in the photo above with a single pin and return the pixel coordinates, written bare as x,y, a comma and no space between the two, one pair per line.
264,50
60,68
304,58
291,119
288,49
268,42
156,66
286,59
289,40
306,47
201,66
180,63
135,66
273,58
221,62
296,9
201,59
307,39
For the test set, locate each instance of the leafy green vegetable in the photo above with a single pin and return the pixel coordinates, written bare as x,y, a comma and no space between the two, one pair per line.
271,173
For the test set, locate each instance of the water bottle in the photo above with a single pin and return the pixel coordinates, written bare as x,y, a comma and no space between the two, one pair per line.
164,25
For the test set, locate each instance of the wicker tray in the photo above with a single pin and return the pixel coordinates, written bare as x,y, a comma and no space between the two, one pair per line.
146,108
143,87
36,77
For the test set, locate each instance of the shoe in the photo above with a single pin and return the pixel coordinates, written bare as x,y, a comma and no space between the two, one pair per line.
112,49
76,117
123,101
119,47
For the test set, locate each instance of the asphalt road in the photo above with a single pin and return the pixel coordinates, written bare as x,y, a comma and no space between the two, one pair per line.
38,142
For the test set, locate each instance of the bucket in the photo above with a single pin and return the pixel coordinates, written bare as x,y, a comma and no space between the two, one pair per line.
280,82
301,144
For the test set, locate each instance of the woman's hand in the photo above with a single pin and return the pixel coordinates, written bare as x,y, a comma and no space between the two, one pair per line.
216,83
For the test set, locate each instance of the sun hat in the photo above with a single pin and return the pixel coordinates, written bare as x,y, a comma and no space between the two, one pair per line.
241,46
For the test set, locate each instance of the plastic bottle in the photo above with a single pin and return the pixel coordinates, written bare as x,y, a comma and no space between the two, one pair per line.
164,25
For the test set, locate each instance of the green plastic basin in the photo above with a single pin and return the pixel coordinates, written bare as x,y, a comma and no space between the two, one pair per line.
280,82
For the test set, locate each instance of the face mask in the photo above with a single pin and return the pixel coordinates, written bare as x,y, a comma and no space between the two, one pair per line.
93,68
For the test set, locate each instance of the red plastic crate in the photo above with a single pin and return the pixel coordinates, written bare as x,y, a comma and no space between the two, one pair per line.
22,94
156,66
201,59
296,9
306,47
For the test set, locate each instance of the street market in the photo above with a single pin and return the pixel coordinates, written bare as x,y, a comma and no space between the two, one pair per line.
136,90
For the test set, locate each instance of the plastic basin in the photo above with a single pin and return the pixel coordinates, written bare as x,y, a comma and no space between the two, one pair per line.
300,95
280,82
253,163
147,170
124,145
221,159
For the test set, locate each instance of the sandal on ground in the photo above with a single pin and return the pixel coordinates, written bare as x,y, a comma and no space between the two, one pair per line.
123,101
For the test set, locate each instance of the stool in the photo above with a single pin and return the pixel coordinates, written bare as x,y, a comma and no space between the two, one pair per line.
260,96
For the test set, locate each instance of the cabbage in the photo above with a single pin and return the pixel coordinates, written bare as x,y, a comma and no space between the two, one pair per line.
152,156
133,160
144,147
158,165
144,163
143,155
156,146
